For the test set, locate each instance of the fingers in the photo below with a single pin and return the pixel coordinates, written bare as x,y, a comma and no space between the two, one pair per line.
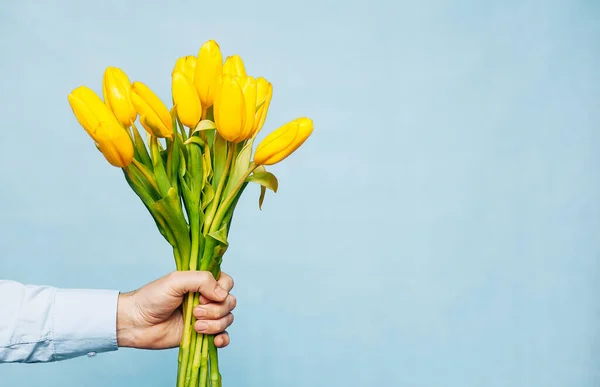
212,327
214,310
225,281
182,282
222,340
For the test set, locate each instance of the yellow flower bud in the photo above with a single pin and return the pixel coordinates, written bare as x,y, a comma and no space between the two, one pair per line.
283,141
115,144
186,65
102,126
230,109
264,92
234,66
208,72
154,115
116,88
186,100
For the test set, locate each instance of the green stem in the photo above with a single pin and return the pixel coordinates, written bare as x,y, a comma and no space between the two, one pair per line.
140,147
229,199
170,146
182,130
188,323
194,343
213,207
204,361
144,171
185,342
215,375
195,361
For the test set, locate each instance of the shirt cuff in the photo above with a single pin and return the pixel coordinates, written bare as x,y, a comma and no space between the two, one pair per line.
85,322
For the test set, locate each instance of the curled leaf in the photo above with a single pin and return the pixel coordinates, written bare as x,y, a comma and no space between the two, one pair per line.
204,125
265,179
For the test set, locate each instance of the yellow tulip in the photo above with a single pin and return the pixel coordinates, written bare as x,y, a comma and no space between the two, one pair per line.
208,72
283,141
186,100
116,88
264,92
115,144
186,65
102,126
234,66
230,109
154,115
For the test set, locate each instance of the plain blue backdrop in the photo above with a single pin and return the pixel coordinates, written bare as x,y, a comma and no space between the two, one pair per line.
441,228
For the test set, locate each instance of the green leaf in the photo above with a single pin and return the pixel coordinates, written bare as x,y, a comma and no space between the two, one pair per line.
182,164
229,216
220,235
207,171
204,125
169,209
141,178
261,198
239,168
195,140
140,148
265,179
137,186
208,194
219,158
160,173
210,137
181,129
173,160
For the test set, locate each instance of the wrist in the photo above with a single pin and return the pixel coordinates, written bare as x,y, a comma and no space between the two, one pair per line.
125,327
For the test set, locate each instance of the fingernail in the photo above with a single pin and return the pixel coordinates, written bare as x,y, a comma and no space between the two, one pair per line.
201,326
221,292
200,312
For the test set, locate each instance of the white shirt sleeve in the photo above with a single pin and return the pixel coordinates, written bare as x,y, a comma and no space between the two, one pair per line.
44,324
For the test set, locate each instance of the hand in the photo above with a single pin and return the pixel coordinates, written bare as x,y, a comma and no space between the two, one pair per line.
151,317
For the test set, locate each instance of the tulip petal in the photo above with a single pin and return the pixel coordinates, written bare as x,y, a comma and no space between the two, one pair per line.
186,100
208,72
230,109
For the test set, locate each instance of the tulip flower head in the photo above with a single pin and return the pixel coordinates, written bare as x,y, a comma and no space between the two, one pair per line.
208,72
186,65
234,66
186,100
116,88
230,109
102,126
154,115
283,141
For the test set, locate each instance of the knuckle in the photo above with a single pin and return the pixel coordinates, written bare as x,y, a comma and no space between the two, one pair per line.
233,301
173,276
204,276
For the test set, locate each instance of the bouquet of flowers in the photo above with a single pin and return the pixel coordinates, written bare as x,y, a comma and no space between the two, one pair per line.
195,163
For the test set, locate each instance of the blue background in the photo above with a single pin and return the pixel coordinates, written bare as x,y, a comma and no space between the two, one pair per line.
441,228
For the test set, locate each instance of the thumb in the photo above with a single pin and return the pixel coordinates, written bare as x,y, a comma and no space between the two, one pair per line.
203,282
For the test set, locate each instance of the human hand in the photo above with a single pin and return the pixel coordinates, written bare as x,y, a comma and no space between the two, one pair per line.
151,317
